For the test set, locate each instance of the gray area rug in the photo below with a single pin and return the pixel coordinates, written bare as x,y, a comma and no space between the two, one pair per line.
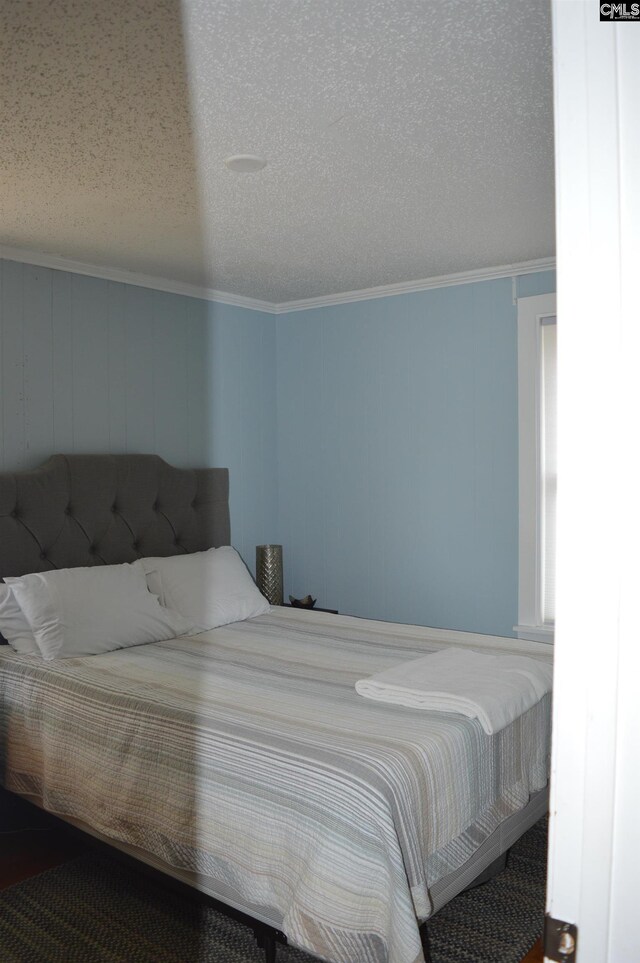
95,909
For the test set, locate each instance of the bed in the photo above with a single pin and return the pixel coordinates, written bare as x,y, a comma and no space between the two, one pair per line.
241,760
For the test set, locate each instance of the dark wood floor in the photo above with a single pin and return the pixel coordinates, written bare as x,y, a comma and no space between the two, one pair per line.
26,854
535,955
35,843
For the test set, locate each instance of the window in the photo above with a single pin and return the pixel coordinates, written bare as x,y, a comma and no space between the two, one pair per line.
537,353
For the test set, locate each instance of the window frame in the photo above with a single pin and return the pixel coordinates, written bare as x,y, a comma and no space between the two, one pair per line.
531,312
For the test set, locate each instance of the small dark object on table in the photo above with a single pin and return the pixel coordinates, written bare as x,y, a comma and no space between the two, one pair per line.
306,603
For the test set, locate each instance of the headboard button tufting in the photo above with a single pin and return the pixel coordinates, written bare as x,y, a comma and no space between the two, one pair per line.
108,509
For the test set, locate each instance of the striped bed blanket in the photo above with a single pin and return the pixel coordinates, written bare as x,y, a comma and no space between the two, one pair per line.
245,755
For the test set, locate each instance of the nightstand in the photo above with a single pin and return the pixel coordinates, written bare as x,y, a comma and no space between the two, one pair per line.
303,608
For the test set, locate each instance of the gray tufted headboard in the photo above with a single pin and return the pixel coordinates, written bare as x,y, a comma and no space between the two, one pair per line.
104,509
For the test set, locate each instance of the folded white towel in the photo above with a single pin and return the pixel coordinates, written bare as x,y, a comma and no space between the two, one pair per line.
495,689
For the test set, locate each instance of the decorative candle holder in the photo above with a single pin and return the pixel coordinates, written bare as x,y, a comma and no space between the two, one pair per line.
269,572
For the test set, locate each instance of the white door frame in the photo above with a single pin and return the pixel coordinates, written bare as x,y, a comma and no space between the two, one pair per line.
594,850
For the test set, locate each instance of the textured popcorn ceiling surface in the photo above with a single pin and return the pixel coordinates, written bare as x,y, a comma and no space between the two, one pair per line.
406,139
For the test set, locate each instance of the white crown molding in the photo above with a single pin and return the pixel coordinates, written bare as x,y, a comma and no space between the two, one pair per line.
411,287
57,263
130,277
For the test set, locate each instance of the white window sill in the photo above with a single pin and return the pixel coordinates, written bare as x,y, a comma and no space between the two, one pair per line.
536,633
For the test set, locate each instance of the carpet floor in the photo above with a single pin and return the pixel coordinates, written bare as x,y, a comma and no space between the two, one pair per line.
95,909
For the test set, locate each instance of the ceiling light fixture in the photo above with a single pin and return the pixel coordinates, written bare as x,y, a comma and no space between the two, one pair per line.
245,163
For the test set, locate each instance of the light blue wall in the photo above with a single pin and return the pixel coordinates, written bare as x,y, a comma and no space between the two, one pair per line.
88,365
398,455
376,440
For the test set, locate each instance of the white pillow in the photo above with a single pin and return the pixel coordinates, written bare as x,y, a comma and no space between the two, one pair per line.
210,588
88,611
13,625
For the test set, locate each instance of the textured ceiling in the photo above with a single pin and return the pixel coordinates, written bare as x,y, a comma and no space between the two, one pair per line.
406,139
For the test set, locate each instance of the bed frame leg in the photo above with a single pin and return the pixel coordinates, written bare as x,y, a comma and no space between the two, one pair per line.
426,946
497,866
266,940
270,948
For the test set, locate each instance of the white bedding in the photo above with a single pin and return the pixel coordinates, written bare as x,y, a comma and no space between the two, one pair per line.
245,755
494,688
